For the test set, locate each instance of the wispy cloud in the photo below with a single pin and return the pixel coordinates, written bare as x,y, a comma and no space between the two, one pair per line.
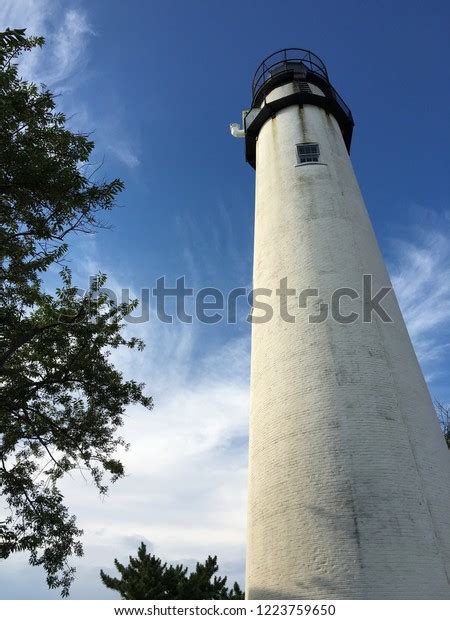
421,278
124,153
66,31
26,14
63,64
68,47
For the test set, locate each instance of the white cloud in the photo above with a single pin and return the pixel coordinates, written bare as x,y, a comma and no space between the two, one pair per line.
68,47
124,154
66,32
28,14
421,279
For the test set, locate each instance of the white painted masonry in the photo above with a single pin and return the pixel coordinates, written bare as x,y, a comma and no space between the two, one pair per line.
349,481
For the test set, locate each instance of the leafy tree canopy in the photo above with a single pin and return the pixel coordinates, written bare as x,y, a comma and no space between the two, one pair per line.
61,398
147,578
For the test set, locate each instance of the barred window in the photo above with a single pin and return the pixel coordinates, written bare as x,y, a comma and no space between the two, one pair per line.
307,153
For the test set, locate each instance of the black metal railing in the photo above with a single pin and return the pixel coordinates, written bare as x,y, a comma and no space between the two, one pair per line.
342,103
284,60
303,68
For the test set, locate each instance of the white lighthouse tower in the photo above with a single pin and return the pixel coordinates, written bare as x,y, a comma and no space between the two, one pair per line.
349,485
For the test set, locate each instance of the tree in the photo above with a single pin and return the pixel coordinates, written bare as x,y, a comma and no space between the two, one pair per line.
443,414
61,398
147,578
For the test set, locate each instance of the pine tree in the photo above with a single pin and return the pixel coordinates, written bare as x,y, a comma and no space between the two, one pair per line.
147,578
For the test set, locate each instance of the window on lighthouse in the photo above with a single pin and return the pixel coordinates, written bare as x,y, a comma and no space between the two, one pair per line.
307,153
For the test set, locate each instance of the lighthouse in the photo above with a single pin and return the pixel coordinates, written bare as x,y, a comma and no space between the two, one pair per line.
349,485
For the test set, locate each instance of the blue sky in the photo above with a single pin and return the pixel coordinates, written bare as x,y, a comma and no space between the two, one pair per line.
159,82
